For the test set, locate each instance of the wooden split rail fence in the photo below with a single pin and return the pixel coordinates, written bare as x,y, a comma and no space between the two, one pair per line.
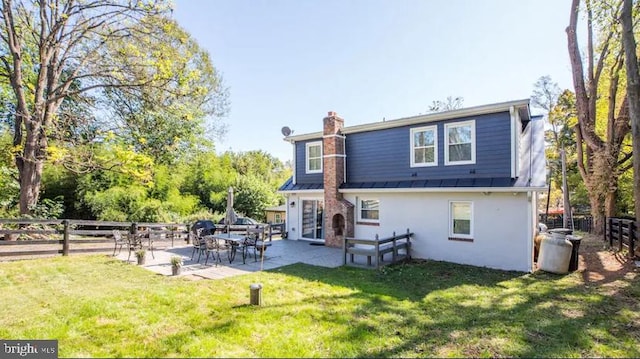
398,245
622,232
24,238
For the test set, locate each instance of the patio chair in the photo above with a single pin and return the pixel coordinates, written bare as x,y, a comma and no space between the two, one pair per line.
133,243
256,239
212,247
199,244
146,236
118,241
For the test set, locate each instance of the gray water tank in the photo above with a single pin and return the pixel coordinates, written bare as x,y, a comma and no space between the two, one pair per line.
555,252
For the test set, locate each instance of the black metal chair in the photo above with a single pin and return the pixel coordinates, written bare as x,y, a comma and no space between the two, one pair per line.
212,247
198,242
133,243
256,239
118,241
146,236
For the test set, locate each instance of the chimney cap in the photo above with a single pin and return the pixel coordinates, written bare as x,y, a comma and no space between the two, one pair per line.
332,114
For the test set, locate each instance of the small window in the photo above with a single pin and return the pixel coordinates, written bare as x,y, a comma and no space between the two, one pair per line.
278,218
461,220
460,148
314,157
369,210
424,146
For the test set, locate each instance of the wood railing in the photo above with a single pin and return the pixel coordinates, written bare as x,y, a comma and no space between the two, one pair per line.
272,229
623,232
377,248
36,237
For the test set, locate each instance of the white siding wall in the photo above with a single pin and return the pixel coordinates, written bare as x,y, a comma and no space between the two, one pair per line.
502,227
294,214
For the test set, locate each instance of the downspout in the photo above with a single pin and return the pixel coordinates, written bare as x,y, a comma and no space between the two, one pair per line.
344,162
294,162
514,150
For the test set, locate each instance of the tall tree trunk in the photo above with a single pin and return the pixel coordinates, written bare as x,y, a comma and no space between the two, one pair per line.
30,162
597,154
633,95
30,173
610,204
597,214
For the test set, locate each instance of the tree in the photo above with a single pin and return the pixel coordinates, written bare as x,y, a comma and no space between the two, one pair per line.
51,50
451,103
165,122
603,120
633,95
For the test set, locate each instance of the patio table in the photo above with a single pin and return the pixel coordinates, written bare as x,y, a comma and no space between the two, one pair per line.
234,241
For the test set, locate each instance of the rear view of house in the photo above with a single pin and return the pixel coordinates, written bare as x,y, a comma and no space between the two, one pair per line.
465,182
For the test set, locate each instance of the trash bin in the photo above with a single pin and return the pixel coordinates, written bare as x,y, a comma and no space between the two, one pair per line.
555,252
575,242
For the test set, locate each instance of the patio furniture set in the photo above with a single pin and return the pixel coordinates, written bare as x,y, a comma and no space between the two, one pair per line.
206,241
133,242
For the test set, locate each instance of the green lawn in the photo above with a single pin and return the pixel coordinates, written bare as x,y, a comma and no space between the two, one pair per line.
100,307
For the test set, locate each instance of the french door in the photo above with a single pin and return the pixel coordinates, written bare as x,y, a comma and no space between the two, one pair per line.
312,219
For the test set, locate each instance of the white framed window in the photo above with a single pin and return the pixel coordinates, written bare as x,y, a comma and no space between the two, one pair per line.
369,210
461,220
460,143
424,146
278,218
314,157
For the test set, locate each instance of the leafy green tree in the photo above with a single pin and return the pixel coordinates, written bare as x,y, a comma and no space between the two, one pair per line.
208,177
253,195
166,122
54,50
601,105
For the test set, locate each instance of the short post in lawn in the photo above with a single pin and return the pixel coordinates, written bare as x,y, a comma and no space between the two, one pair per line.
255,297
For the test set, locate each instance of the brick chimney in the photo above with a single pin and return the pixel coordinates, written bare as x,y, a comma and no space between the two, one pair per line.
338,212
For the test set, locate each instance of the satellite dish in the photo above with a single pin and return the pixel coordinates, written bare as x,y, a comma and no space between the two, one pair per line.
286,131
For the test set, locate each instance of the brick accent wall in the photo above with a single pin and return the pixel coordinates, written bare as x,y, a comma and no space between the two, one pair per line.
338,212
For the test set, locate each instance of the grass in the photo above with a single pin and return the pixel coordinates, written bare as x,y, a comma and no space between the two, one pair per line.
100,307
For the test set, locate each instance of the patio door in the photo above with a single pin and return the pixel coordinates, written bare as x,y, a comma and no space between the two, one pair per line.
312,219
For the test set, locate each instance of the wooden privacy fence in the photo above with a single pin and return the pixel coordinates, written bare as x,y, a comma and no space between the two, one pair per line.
622,232
37,237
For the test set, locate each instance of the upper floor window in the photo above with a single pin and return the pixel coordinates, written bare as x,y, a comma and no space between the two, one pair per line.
314,157
368,210
460,220
424,146
460,146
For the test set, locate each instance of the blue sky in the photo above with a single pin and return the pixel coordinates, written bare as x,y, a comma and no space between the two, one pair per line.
289,62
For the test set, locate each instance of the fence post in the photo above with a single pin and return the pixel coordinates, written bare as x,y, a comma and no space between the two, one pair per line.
620,234
632,239
610,231
173,234
65,238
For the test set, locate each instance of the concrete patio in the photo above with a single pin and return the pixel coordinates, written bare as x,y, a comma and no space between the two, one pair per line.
280,253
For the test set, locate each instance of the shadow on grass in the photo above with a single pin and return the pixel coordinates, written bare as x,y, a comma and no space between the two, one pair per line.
443,309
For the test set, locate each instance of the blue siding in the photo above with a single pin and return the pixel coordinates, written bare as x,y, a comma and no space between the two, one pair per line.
301,166
384,155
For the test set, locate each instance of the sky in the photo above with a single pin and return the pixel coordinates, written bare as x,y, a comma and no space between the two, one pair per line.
289,62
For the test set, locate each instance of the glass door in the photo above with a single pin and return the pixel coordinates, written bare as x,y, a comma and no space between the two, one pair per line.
312,219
